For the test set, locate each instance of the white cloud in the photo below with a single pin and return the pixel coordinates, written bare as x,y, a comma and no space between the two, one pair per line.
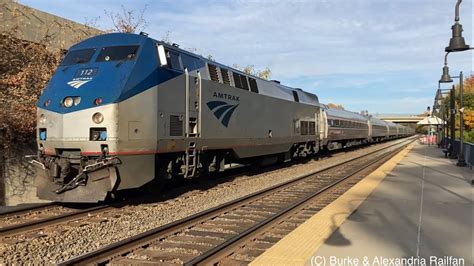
328,47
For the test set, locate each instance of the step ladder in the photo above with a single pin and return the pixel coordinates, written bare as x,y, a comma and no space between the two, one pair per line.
190,167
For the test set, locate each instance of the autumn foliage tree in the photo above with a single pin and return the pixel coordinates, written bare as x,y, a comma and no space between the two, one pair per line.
26,67
128,20
24,71
250,69
335,106
468,99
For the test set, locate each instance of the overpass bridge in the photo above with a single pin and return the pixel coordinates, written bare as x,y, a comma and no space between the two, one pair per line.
406,120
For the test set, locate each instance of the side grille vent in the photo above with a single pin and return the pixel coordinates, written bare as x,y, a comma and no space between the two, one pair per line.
308,128
213,72
225,76
312,128
304,127
176,125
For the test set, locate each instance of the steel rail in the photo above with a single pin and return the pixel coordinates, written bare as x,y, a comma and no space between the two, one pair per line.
125,246
27,209
38,224
213,255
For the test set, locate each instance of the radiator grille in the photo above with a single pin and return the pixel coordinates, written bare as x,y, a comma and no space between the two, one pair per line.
176,125
213,72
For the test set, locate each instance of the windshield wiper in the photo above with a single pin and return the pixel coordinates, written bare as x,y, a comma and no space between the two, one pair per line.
77,61
128,57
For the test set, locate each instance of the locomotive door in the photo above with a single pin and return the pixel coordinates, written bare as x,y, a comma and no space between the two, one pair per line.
193,105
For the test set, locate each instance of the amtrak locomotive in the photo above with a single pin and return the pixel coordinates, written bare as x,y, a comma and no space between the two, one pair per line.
123,110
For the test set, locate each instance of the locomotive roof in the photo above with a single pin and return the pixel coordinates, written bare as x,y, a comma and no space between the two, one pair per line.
271,88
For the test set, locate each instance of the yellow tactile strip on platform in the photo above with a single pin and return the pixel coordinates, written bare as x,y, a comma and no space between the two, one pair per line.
298,247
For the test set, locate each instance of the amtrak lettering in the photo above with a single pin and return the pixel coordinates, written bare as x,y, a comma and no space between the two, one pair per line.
225,96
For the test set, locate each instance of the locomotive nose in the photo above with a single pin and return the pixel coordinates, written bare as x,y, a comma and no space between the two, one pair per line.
85,130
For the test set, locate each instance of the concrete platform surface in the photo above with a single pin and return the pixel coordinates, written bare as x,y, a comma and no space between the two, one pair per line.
421,213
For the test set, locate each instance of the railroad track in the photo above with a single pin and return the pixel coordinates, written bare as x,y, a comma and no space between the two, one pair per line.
27,209
35,219
238,231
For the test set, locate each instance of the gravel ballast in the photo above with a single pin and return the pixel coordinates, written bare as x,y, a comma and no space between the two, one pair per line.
62,242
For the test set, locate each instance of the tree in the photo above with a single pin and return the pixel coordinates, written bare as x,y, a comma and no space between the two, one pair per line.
25,71
335,106
468,99
127,20
250,69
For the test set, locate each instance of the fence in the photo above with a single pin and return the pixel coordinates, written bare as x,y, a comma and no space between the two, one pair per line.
468,152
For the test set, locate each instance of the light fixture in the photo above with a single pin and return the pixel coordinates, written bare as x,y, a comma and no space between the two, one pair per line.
445,78
457,42
98,101
42,119
77,100
68,102
97,118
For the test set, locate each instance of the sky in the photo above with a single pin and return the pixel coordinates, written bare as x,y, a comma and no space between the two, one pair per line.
384,56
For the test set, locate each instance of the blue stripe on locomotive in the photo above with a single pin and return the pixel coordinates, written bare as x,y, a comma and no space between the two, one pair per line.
113,82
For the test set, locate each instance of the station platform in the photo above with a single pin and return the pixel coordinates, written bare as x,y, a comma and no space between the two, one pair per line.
416,209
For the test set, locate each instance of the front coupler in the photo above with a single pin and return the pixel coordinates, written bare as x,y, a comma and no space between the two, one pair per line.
91,182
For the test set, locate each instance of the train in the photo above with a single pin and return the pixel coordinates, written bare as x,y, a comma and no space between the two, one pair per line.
123,110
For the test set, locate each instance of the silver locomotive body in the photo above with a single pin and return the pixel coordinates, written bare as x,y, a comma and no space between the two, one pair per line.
140,111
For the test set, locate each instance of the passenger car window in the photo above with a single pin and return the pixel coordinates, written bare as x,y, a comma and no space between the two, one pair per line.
78,56
115,53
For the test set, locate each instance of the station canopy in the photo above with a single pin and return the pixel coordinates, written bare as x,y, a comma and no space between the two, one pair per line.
431,120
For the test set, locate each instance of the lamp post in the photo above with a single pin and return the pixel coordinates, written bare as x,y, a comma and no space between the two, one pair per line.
457,44
445,78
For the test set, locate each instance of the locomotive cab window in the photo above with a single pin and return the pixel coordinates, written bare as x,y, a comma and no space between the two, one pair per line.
115,53
174,60
78,56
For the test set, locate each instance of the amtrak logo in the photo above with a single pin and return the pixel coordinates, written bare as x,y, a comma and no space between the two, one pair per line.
82,76
222,111
75,83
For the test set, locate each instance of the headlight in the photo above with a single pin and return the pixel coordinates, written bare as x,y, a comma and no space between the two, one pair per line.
97,118
42,119
67,102
77,100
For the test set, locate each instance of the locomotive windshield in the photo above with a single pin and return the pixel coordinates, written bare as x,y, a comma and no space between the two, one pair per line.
78,56
115,53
